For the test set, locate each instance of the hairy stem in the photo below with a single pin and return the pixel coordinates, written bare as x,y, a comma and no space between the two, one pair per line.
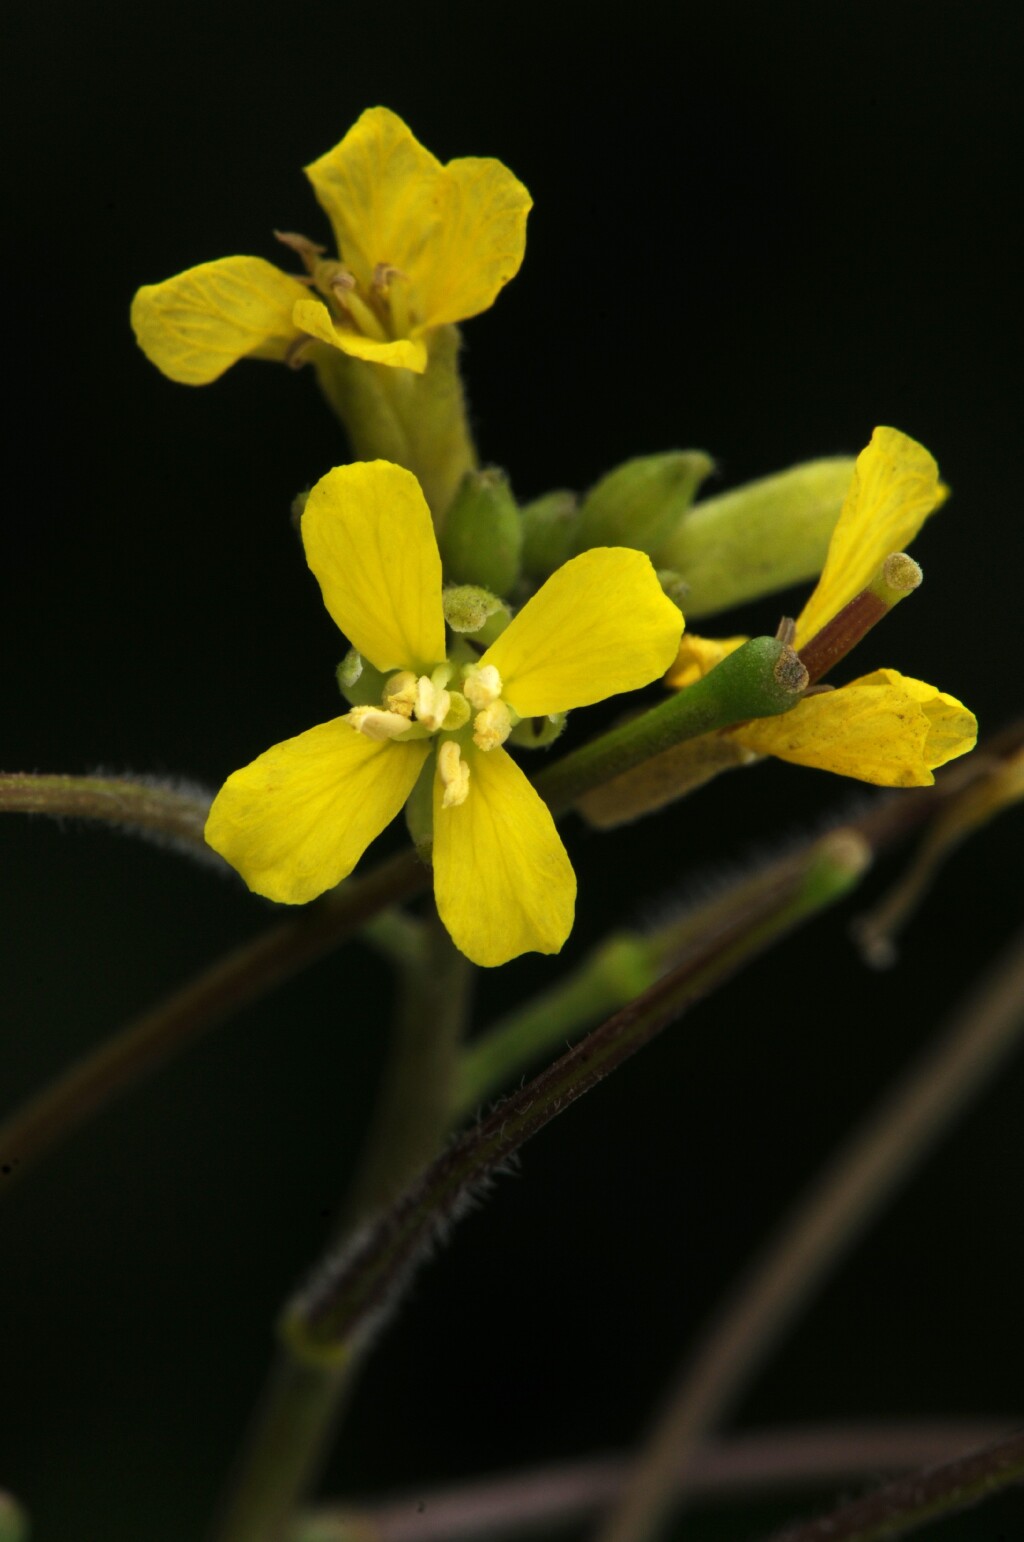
524,1503
212,996
910,1503
352,1290
173,813
304,1401
823,1227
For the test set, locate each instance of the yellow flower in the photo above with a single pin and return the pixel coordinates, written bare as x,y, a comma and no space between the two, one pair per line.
296,821
420,245
885,727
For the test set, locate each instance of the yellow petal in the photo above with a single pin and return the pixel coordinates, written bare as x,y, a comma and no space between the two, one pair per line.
457,233
895,487
313,317
298,818
380,189
502,880
698,656
370,542
884,728
599,625
479,242
196,325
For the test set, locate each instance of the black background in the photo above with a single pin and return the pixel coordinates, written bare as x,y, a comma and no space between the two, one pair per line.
759,229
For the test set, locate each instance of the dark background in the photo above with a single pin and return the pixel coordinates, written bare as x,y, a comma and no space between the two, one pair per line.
759,229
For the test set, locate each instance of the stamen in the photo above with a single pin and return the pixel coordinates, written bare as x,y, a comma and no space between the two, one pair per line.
378,724
432,703
295,356
481,685
400,693
492,726
454,774
308,250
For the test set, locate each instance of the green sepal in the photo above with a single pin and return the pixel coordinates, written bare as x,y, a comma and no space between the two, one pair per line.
416,421
759,538
641,502
419,812
483,534
358,681
549,532
536,733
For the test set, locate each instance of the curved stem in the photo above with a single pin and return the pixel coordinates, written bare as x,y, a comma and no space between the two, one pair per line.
519,1503
822,1228
240,977
177,814
304,1401
353,1289
910,1503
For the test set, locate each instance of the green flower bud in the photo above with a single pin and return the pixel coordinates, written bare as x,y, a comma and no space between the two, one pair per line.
536,733
475,612
483,533
760,538
549,532
640,503
675,586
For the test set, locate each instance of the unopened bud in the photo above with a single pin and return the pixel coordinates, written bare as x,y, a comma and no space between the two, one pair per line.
483,534
675,586
641,502
475,612
759,538
549,532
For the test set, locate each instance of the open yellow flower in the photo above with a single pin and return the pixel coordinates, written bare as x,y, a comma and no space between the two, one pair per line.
296,821
884,728
420,245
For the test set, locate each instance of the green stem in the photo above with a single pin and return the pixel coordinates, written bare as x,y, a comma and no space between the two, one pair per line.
762,678
304,1400
910,1503
822,1228
332,1318
148,808
212,996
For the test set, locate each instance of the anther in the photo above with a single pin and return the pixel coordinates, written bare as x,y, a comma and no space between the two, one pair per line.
454,774
481,685
376,723
308,250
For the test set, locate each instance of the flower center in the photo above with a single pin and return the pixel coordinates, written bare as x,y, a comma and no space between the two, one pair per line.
382,310
415,706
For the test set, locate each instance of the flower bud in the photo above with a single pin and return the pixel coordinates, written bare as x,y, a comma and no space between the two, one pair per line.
640,503
475,612
483,533
549,532
759,538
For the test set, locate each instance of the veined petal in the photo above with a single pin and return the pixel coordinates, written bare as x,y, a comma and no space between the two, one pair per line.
599,625
894,489
313,317
478,245
196,325
502,880
698,656
298,818
381,191
883,728
370,542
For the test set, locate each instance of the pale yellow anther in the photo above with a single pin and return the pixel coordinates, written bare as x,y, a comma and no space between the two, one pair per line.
432,702
376,723
400,693
492,726
454,774
481,685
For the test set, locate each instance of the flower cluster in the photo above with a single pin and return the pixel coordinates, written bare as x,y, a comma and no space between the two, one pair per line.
420,247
